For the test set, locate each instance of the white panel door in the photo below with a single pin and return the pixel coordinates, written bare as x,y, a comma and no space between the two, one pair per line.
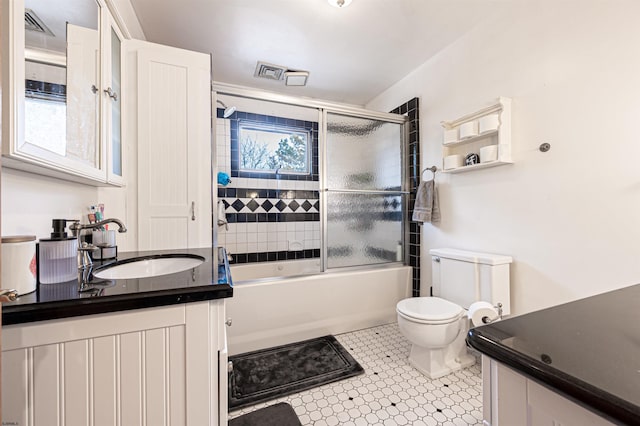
174,148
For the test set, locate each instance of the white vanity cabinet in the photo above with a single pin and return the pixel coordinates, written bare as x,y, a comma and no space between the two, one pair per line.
61,97
486,132
510,398
154,366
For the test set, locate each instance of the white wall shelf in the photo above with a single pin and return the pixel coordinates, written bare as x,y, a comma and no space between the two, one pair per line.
472,132
478,166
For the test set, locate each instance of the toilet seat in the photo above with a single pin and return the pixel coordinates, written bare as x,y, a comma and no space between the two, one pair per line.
429,310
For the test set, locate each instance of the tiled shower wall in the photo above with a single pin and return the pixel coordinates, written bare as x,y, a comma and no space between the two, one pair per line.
269,219
410,109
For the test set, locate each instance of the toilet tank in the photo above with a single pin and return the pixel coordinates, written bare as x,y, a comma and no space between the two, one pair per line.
464,277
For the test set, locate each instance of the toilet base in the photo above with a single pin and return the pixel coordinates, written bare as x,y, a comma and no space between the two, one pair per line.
435,363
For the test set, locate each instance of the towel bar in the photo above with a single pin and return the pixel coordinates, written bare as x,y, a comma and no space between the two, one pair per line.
432,169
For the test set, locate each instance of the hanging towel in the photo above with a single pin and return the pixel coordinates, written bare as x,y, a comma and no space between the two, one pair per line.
426,208
222,216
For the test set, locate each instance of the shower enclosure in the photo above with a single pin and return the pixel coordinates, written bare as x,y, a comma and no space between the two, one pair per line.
313,184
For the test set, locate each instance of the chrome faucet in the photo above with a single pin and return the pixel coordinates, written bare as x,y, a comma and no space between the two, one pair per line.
84,260
76,226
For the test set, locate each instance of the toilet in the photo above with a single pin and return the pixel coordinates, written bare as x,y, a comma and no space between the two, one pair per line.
437,326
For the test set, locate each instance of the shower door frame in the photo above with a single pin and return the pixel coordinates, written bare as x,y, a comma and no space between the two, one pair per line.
323,108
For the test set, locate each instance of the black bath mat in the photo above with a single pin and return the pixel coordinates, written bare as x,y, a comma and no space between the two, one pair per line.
271,373
280,414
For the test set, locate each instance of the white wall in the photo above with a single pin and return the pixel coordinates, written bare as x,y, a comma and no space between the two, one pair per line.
569,217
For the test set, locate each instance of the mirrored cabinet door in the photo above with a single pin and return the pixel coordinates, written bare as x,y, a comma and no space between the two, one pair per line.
63,99
62,74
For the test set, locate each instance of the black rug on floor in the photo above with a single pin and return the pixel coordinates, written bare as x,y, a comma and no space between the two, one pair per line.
280,414
271,373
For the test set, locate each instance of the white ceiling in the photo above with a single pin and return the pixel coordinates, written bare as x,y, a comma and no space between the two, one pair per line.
353,54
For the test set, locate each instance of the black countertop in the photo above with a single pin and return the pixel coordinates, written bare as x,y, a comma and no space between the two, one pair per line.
587,350
52,301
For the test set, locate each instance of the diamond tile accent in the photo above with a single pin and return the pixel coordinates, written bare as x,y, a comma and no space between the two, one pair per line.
306,205
253,205
237,205
293,205
281,205
316,205
267,205
391,392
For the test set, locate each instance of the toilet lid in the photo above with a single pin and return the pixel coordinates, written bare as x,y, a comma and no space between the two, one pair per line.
429,308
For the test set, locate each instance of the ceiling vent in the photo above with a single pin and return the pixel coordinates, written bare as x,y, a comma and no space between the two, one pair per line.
32,22
269,71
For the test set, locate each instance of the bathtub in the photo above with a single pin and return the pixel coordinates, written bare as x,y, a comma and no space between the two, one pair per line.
271,312
271,270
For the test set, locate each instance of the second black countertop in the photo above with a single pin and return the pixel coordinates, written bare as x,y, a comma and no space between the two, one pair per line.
62,300
587,350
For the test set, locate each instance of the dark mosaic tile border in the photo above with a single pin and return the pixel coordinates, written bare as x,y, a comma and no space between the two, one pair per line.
267,193
272,217
309,126
271,256
411,108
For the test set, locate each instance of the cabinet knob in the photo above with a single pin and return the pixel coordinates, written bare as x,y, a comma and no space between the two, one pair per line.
228,322
113,95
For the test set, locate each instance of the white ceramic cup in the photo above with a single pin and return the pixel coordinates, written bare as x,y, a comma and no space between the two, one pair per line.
452,161
488,153
489,123
450,136
19,261
469,129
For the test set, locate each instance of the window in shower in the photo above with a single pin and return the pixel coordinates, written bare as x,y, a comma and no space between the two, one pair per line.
273,149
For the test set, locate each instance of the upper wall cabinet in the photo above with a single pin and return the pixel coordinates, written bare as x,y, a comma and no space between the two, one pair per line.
61,80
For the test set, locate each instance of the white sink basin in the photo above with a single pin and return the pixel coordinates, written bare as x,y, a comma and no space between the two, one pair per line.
151,266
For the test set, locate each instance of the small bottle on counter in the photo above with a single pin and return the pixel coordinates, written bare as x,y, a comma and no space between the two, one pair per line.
58,255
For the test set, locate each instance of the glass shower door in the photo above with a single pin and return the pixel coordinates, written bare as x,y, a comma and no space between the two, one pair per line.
364,191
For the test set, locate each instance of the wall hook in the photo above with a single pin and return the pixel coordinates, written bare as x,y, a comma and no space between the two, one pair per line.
544,147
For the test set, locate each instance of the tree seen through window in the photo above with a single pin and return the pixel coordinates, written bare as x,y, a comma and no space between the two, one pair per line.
273,150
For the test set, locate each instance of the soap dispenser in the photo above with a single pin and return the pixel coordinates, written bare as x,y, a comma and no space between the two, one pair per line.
57,256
